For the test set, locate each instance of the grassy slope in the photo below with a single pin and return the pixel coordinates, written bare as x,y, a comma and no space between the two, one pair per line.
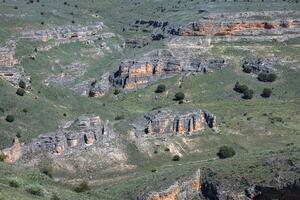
253,133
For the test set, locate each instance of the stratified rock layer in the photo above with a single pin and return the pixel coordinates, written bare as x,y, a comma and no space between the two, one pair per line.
133,74
175,122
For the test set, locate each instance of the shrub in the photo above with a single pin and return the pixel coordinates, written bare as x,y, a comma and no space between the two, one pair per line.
247,69
18,135
176,158
160,88
55,196
167,149
119,117
20,92
266,93
10,118
266,77
22,84
82,187
226,152
2,157
35,190
47,171
117,91
14,183
240,88
248,94
179,96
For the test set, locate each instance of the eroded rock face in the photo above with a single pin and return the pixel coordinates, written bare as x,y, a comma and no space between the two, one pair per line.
82,33
212,28
75,135
175,122
13,153
10,69
184,189
161,64
258,65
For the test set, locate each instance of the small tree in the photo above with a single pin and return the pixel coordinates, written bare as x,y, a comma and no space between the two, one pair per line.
20,92
240,88
179,96
176,158
160,88
248,94
266,93
22,84
10,118
226,152
35,190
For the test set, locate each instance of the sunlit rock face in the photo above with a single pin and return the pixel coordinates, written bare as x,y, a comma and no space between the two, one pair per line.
158,65
176,122
12,154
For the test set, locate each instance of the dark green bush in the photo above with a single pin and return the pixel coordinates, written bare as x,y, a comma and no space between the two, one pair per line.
266,77
226,152
266,93
248,94
247,69
2,157
167,149
160,88
20,92
119,117
22,84
82,187
10,118
179,96
116,91
35,190
176,158
240,88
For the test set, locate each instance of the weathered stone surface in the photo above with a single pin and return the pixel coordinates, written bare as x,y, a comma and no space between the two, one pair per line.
10,69
176,122
258,65
184,189
81,33
13,153
100,88
75,135
161,64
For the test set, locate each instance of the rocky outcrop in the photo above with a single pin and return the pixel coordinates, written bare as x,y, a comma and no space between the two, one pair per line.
161,64
12,154
184,189
100,88
176,122
212,28
258,65
81,33
75,135
10,69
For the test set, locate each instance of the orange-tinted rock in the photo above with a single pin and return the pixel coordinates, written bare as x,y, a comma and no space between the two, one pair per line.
208,28
13,153
175,122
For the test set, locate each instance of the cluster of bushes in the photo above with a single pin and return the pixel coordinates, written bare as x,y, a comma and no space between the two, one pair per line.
266,93
247,93
21,89
160,88
266,77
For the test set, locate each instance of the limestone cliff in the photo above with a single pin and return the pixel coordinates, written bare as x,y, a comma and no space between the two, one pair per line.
184,189
158,65
13,153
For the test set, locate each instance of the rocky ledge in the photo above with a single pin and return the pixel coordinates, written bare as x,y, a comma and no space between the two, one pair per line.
161,64
258,65
168,121
74,135
184,189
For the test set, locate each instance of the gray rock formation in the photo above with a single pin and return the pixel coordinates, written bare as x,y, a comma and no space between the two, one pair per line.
158,65
168,121
258,65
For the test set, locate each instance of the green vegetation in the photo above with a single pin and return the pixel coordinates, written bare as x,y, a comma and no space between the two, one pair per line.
176,158
240,88
15,182
10,118
266,77
226,152
248,94
20,92
160,88
179,96
22,84
35,190
266,93
82,187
